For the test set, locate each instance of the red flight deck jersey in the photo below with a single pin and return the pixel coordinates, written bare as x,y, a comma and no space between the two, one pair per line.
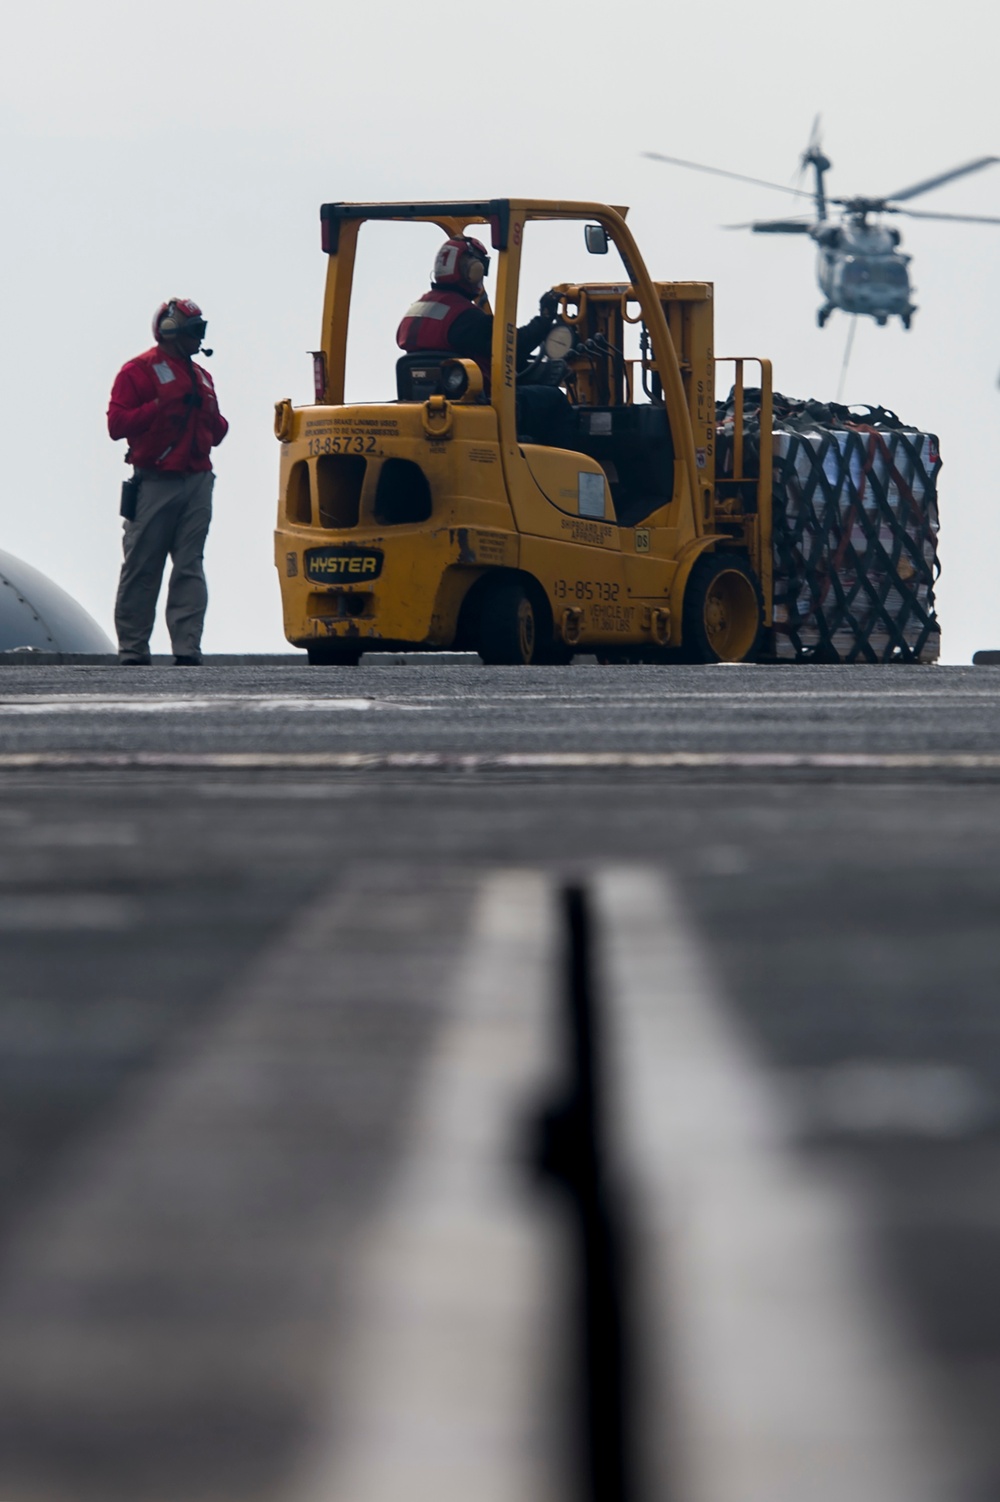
428,324
147,407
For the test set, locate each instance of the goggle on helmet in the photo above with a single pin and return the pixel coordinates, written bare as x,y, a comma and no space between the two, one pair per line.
179,316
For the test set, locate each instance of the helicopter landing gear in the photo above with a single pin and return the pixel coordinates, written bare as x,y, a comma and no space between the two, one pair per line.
907,318
881,320
823,314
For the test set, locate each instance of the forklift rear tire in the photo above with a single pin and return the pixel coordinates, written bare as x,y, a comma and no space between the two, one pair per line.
327,654
723,616
506,628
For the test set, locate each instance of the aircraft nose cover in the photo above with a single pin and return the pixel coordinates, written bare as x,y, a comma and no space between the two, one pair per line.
34,612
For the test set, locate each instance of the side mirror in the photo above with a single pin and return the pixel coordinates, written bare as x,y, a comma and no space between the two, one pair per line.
596,238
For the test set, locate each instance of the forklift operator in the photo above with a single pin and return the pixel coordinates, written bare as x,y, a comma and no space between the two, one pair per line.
451,319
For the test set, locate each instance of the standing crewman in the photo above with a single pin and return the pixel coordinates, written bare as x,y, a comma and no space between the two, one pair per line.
165,405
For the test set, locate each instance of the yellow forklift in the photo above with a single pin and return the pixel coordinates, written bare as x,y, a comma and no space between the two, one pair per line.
428,521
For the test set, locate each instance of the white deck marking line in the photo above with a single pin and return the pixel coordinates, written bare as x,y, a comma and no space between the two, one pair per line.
667,695
786,1377
372,761
439,1379
252,703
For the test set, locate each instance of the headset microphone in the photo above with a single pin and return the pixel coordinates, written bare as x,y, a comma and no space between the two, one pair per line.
208,352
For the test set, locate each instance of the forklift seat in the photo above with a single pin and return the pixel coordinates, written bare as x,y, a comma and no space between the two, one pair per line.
418,376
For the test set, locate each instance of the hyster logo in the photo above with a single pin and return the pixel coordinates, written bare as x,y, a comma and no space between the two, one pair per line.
342,565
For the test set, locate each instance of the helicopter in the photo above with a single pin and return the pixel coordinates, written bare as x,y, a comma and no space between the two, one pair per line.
860,267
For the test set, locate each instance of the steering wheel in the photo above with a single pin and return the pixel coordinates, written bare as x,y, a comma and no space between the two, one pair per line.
547,367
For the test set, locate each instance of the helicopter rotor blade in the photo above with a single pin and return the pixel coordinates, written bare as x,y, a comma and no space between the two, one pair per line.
943,177
955,218
758,182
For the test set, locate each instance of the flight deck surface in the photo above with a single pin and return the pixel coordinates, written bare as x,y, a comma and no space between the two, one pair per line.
283,951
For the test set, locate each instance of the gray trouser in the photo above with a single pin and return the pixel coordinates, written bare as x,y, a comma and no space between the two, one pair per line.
171,520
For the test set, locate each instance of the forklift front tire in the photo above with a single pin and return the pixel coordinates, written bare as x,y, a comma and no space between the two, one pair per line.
723,610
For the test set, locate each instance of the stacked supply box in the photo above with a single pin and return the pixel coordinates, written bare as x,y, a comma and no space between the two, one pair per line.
855,532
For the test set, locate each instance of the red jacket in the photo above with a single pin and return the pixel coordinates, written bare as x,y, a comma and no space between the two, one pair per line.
148,408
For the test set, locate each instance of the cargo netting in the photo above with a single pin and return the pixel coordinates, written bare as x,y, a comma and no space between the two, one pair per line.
855,529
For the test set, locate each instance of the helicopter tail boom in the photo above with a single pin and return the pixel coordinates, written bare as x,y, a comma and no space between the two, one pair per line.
776,227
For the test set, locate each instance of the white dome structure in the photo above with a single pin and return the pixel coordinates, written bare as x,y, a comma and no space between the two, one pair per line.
35,613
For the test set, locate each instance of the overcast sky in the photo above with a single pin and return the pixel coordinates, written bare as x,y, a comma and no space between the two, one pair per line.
150,153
